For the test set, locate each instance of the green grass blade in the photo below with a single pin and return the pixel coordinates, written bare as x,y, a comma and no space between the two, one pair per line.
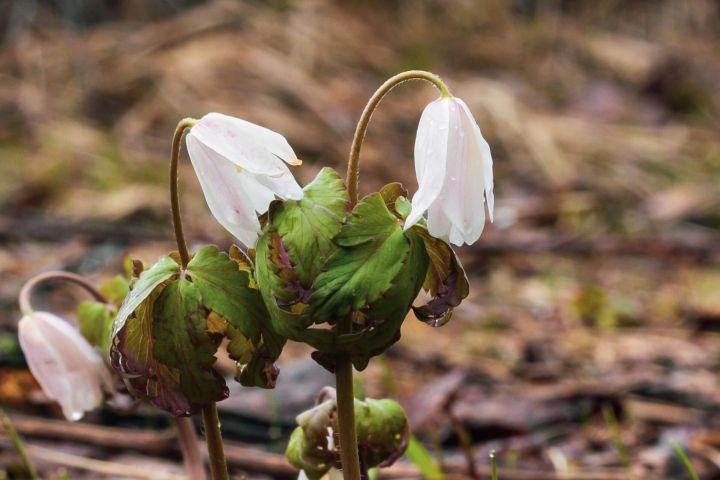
421,458
613,427
493,465
19,445
685,460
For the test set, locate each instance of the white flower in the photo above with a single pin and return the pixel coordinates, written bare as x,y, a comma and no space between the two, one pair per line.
453,166
69,370
241,169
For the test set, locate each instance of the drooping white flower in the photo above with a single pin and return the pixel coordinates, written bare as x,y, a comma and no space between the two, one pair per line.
241,168
69,370
453,167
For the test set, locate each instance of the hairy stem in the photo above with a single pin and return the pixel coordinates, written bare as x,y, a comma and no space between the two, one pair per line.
344,370
216,453
346,418
349,456
213,438
189,447
26,292
361,129
174,195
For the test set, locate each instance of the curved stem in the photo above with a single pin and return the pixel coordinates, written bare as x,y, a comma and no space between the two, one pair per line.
216,453
26,291
344,370
174,196
189,448
354,158
213,438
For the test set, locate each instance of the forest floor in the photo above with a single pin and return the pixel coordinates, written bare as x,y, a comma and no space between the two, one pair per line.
590,342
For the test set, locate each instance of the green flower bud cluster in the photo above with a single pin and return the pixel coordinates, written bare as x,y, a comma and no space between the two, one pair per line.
382,429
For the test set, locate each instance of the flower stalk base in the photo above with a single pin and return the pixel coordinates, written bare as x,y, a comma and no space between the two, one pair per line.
216,452
349,456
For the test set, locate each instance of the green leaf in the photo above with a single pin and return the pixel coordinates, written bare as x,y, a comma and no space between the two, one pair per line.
390,193
304,456
373,250
131,355
382,430
226,290
96,322
181,341
385,316
403,207
260,371
307,226
239,347
149,280
446,280
229,290
382,319
421,458
287,324
243,261
116,289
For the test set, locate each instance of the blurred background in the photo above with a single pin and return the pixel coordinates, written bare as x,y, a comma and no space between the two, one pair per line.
591,337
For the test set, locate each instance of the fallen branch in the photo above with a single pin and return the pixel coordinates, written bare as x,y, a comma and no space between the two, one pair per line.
104,467
150,442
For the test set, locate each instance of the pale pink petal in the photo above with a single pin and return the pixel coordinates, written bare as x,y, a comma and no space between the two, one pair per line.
225,193
284,186
252,147
65,365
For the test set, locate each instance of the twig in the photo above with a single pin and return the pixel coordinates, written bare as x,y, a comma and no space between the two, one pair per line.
151,442
242,456
91,465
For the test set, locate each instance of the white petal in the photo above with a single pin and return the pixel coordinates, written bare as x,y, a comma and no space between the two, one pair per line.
250,146
63,362
284,186
431,150
438,223
257,193
463,195
225,192
486,158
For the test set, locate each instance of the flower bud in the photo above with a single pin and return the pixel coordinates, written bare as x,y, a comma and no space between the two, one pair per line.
453,166
382,434
241,168
69,370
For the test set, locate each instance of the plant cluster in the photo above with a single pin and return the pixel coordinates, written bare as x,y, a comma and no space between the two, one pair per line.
318,266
